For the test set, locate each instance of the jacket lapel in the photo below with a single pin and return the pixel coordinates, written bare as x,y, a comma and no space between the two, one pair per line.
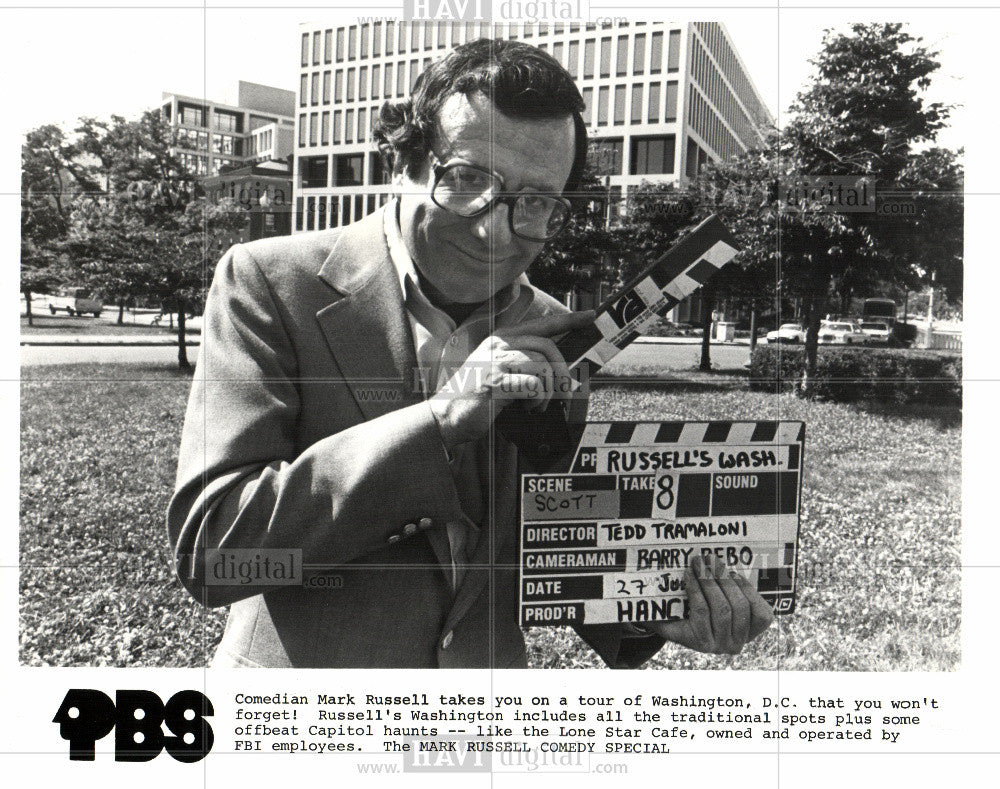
367,329
369,334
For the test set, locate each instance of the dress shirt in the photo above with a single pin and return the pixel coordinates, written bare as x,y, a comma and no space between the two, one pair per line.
441,348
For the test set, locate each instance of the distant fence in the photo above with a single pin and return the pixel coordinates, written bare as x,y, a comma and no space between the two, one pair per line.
940,340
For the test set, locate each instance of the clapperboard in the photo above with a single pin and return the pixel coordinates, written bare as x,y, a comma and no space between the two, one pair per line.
632,311
636,308
607,537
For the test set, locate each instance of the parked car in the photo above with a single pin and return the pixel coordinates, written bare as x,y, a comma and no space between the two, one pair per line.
76,301
876,332
787,332
840,333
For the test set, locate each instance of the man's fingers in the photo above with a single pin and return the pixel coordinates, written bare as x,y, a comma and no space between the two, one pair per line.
761,612
699,613
560,376
718,606
739,605
551,325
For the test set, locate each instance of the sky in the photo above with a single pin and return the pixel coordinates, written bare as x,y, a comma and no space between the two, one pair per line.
99,61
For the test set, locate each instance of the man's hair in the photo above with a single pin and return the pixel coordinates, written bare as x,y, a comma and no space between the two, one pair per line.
522,81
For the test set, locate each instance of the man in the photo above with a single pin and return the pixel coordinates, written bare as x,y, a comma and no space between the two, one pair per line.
332,410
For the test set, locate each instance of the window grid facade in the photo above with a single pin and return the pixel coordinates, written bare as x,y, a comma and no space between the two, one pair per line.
650,88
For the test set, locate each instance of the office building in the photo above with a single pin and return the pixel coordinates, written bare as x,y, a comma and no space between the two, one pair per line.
661,99
212,135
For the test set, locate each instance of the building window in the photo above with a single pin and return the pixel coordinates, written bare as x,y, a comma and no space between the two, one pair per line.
376,77
362,83
328,46
377,172
349,126
588,110
313,128
573,64
303,90
302,131
603,94
364,41
671,100
228,121
428,35
298,213
359,207
656,53
316,45
350,84
345,208
674,52
321,214
314,91
340,44
352,42
415,36
305,49
619,105
326,87
606,57
606,156
558,50
622,62
654,103
348,169
362,124
310,213
637,103
588,59
652,155
324,138
313,171
388,81
639,56
390,37
338,86
336,126
414,73
401,78
376,39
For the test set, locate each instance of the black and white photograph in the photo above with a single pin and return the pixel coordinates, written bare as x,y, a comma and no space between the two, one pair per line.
272,346
499,335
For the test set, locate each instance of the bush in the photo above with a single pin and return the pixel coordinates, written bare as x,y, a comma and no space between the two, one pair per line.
847,375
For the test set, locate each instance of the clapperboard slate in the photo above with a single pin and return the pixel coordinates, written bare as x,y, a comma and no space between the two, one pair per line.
607,537
632,311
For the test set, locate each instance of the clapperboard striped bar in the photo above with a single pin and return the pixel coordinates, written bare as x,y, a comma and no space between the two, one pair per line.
634,309
607,536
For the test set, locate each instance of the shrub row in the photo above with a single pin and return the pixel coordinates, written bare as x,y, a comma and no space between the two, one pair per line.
886,375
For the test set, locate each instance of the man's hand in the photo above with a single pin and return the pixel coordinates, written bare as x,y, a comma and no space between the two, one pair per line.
517,363
725,611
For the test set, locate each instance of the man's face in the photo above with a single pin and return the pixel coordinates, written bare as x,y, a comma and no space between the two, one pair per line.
467,260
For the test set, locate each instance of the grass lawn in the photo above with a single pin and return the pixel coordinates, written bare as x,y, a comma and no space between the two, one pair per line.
54,325
879,577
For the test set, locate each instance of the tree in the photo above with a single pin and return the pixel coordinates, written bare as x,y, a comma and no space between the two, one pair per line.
858,120
51,174
151,231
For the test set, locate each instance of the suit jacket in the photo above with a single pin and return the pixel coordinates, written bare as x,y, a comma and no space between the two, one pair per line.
306,430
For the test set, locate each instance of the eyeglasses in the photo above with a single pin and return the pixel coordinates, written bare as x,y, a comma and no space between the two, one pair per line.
467,190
